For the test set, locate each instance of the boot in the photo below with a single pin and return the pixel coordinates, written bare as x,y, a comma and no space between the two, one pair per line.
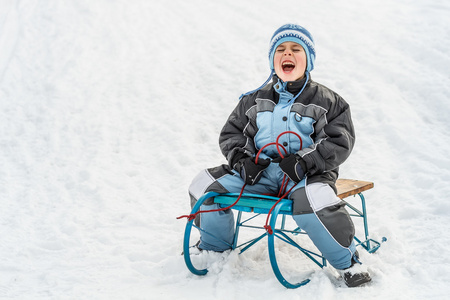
356,279
354,275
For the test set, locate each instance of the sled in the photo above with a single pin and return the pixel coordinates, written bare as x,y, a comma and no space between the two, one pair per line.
255,205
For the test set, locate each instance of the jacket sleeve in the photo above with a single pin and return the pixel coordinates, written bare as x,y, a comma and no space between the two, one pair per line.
234,141
333,142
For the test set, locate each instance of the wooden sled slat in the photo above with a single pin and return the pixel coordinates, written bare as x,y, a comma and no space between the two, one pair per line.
350,187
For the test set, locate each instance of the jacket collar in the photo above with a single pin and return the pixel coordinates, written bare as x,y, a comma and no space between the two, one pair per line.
292,87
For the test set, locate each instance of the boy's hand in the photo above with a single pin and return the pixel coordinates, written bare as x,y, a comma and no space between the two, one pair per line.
250,171
293,166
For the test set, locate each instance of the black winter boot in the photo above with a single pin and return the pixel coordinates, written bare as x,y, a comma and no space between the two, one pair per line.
353,276
356,279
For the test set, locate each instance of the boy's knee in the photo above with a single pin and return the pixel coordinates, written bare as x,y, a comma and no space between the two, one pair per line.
200,183
300,203
206,181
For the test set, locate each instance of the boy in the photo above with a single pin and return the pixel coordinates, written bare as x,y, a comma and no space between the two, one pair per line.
323,139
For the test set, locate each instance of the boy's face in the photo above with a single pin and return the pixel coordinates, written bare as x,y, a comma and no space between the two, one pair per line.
289,61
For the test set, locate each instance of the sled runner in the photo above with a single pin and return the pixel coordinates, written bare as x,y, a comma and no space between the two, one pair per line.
255,205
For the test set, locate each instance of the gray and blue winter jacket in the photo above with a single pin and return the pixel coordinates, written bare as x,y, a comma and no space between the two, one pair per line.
320,116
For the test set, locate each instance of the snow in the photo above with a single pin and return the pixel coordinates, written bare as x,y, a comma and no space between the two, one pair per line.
108,109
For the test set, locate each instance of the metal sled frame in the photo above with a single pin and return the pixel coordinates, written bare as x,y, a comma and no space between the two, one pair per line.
260,204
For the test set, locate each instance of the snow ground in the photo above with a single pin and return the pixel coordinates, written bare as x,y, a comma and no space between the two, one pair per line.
108,109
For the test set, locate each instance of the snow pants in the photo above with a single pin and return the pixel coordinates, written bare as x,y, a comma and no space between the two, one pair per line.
316,209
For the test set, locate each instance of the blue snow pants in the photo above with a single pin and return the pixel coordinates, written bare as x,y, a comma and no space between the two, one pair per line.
316,209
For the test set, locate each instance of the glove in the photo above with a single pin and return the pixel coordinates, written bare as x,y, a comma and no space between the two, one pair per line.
293,166
250,171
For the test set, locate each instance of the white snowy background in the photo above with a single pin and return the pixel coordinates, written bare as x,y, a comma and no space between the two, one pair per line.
108,109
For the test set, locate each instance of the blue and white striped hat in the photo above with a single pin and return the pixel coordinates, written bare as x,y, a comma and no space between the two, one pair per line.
297,34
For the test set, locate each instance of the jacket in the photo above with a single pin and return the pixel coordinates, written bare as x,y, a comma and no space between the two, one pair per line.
318,115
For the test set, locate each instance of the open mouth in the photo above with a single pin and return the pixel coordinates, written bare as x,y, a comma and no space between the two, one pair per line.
288,66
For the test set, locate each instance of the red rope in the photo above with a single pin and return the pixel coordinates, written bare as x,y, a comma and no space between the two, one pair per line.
278,144
282,190
268,227
192,216
265,146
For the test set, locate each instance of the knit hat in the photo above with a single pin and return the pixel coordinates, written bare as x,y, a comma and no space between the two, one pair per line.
290,33
297,34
